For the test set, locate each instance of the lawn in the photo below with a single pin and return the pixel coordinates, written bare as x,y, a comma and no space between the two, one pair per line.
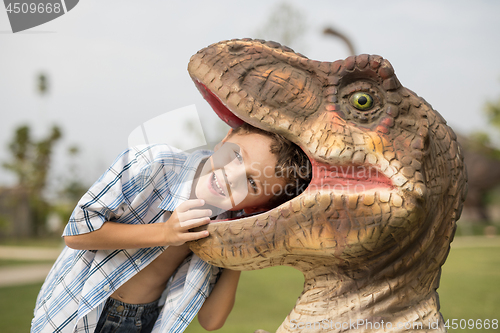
16,307
470,282
13,262
470,289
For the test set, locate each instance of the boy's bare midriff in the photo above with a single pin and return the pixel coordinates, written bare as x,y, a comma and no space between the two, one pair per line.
148,285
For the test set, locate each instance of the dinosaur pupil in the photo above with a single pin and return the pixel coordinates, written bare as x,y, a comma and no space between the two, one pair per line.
361,101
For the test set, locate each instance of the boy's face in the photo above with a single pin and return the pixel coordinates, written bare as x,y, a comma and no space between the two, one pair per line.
240,174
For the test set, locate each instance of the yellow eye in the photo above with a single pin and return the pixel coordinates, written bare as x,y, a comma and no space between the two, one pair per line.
362,101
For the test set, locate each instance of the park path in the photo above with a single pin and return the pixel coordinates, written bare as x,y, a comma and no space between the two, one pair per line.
29,273
26,274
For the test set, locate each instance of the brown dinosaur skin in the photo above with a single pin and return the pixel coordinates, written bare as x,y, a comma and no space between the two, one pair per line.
374,226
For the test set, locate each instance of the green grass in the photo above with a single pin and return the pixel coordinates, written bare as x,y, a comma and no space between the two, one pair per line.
465,228
264,299
12,262
16,307
45,242
470,281
469,290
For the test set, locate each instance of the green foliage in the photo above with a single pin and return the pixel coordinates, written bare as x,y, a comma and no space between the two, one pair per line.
71,188
4,223
30,162
43,84
480,142
492,110
30,158
480,138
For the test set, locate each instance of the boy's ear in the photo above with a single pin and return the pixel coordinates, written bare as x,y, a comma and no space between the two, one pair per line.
229,133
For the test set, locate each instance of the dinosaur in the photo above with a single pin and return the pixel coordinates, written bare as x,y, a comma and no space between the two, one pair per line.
373,228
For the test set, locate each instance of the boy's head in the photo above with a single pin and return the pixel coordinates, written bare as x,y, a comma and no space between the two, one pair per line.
253,170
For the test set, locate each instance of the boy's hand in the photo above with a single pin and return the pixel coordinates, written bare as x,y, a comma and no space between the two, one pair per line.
185,217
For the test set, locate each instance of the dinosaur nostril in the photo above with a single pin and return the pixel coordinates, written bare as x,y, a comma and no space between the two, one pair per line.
235,48
274,45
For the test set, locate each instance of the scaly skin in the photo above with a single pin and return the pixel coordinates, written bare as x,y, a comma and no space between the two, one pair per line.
369,243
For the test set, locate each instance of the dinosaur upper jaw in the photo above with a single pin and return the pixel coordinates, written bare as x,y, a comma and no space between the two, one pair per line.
220,109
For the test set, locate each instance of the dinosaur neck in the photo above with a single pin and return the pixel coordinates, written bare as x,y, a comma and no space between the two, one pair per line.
330,300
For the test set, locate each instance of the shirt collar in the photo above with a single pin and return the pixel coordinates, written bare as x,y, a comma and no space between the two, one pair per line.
180,191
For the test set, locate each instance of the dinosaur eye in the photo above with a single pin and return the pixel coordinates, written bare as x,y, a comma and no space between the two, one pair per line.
362,101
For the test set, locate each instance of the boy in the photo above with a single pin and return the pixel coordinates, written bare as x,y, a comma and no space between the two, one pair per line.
127,237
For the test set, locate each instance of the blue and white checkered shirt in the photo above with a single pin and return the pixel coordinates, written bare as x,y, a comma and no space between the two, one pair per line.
143,185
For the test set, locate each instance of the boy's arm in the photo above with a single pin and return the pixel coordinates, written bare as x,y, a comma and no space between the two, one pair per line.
89,227
218,305
175,231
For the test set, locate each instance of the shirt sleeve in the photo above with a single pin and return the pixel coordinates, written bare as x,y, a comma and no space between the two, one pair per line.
106,200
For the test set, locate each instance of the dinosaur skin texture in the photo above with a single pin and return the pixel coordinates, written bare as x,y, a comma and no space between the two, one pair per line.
374,227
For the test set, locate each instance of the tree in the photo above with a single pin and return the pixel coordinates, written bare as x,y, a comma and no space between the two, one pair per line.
30,163
482,158
492,110
285,25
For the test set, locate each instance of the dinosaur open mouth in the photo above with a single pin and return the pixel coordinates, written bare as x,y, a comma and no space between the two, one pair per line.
220,109
348,178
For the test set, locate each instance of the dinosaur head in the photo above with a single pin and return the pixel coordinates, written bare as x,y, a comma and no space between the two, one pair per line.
388,176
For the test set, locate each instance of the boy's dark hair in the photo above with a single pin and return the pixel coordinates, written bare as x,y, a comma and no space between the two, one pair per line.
293,164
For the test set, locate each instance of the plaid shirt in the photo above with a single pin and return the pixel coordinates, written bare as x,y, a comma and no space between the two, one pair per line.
143,185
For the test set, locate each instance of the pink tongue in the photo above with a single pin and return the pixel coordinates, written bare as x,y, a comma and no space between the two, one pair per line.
347,178
222,111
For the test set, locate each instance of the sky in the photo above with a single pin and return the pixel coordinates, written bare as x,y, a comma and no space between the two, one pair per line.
113,65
